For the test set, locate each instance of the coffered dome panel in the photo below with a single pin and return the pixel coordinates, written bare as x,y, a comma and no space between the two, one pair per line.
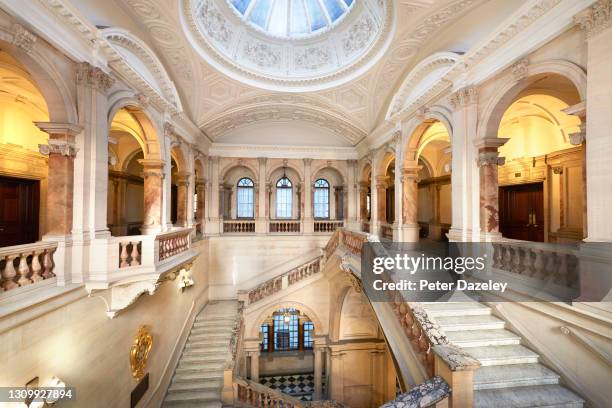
290,45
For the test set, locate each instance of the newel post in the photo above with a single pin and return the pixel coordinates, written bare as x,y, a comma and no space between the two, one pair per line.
457,368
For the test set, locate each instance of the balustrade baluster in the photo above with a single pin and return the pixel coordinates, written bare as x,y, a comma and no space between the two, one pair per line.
48,264
9,273
549,269
561,276
36,267
24,270
123,256
135,255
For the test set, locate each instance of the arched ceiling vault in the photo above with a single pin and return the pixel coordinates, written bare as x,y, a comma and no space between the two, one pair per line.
353,103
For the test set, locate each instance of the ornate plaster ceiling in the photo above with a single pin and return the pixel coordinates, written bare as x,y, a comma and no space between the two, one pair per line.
212,95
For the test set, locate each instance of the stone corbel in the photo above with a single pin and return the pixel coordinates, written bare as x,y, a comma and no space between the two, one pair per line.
464,97
520,69
94,77
23,38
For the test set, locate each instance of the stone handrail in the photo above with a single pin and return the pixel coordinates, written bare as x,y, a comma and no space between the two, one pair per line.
276,284
251,394
238,226
173,243
22,265
538,261
327,225
289,226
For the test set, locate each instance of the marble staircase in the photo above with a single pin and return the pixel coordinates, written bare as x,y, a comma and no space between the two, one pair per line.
198,377
511,375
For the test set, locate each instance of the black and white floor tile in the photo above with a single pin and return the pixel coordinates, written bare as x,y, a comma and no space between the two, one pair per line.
300,386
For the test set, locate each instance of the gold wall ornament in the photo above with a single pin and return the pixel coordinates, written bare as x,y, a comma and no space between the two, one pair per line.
139,353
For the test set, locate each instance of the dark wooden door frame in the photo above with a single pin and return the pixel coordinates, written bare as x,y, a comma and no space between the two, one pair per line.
19,224
522,211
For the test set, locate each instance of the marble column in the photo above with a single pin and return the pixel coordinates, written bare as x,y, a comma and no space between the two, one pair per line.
488,160
363,201
201,200
351,216
318,374
254,366
381,193
153,173
62,151
308,191
410,203
182,182
212,222
579,139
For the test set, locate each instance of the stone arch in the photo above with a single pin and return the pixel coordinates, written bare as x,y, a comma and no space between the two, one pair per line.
336,313
265,313
288,165
510,87
417,129
199,168
151,145
366,171
179,157
387,158
51,84
252,172
320,172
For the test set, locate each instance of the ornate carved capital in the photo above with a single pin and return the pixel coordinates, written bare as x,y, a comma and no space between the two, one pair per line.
596,18
578,138
464,97
60,147
490,159
168,129
520,69
22,38
94,77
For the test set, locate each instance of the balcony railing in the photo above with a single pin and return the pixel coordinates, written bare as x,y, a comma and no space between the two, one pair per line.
328,225
292,226
27,264
173,243
238,226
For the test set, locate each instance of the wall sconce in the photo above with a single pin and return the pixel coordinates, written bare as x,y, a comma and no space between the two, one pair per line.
185,279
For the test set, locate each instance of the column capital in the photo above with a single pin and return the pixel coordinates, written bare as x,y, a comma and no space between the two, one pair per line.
595,18
94,77
490,143
61,147
183,178
578,110
464,97
490,158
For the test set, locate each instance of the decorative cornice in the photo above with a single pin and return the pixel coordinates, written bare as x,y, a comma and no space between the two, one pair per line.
596,18
88,75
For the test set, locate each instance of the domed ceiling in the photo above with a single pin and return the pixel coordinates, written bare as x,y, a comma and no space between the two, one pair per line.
289,45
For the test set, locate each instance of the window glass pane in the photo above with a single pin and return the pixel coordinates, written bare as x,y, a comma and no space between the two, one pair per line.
317,19
244,199
264,341
284,198
259,15
321,199
286,333
241,5
308,340
334,9
348,2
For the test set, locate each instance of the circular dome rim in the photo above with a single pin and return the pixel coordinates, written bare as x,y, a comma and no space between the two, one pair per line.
218,60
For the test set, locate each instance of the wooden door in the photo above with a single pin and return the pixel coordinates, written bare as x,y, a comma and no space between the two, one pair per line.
521,212
19,207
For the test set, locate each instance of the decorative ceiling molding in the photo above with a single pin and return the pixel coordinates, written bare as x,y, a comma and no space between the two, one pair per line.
287,152
118,38
421,80
236,49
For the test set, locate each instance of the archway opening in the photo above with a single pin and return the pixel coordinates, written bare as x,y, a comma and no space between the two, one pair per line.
541,183
23,170
434,183
286,361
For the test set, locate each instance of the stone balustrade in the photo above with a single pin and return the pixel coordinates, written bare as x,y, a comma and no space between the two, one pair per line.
252,394
27,264
130,253
328,226
353,241
238,226
288,226
280,282
173,243
386,231
558,265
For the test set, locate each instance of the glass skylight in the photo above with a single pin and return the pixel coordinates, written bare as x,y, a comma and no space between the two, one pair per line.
292,18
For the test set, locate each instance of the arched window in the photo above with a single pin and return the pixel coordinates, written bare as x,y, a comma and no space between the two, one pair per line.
287,330
284,198
321,199
244,198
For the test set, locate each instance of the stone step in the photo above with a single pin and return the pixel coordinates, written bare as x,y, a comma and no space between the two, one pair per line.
190,369
202,353
218,318
204,347
206,385
189,404
219,358
197,376
540,396
225,337
480,338
456,309
212,329
208,343
192,396
502,355
513,375
461,323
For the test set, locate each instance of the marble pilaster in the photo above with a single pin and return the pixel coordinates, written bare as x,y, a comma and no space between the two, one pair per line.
153,172
410,200
182,181
488,161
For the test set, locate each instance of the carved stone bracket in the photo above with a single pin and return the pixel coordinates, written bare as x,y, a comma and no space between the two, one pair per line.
520,69
596,18
22,38
94,77
464,97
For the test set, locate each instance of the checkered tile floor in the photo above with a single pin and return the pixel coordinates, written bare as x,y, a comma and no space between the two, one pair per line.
300,386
